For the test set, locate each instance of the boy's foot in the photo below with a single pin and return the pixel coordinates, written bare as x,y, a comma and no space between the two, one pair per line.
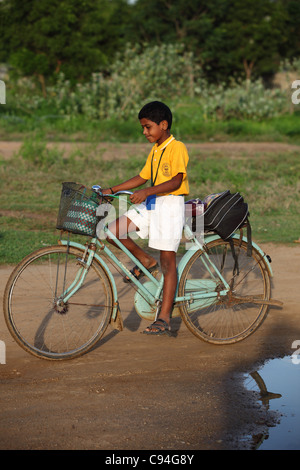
138,273
157,328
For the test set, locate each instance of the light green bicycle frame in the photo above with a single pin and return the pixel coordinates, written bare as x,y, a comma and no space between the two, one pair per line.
151,298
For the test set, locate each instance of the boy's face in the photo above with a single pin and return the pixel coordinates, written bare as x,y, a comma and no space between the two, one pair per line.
155,132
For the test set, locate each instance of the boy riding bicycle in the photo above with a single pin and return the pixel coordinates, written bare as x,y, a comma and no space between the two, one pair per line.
160,207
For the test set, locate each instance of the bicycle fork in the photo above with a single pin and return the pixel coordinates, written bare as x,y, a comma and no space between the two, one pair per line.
84,266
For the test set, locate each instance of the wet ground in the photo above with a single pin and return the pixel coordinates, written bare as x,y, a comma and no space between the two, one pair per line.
276,385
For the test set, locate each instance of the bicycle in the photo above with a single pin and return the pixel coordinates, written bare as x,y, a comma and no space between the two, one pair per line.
77,296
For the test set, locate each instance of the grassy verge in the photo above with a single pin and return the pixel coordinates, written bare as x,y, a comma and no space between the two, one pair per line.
189,125
31,185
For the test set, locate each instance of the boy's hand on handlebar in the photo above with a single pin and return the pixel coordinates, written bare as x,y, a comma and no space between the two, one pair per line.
139,196
106,191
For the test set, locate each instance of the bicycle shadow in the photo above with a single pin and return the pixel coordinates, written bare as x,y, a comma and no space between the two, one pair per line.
131,319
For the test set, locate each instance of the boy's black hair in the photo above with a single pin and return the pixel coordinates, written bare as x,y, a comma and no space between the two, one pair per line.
156,111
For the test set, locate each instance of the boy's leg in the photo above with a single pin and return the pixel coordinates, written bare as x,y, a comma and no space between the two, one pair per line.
168,266
121,227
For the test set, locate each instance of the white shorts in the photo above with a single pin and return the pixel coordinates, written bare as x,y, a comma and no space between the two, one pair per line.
163,225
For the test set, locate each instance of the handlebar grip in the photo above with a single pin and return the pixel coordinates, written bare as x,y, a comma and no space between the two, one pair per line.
123,192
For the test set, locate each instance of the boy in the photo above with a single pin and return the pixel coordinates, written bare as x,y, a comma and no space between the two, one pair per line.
160,207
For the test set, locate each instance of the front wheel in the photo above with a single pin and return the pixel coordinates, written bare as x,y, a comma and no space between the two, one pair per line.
39,321
232,317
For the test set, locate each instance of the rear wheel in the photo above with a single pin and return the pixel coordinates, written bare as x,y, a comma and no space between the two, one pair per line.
231,318
40,321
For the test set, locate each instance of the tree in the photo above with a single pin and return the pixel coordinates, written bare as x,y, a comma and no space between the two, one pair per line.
162,21
290,40
252,33
76,37
229,37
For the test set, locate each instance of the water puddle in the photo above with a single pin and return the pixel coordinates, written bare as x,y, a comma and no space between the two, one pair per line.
278,386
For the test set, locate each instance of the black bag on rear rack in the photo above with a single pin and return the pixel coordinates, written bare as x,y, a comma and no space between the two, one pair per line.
224,213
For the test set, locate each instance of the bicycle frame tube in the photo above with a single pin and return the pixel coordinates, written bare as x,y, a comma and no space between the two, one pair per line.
210,238
80,276
195,296
159,284
197,246
208,263
152,298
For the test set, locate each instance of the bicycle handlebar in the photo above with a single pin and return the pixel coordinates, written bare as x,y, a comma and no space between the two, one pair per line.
98,190
122,192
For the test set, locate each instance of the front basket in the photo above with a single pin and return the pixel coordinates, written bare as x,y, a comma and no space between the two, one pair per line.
77,209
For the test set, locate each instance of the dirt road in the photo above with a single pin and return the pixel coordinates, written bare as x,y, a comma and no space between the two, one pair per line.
136,392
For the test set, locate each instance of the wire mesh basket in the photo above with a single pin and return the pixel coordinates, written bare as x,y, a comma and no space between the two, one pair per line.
77,209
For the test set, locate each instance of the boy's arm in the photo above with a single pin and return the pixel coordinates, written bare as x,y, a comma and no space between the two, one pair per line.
167,187
134,182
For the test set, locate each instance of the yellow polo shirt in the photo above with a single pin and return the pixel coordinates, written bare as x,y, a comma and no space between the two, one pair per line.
167,160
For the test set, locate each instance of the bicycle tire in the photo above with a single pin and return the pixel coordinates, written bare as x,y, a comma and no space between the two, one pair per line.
226,320
33,316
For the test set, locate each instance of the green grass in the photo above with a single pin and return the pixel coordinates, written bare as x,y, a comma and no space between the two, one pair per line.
30,184
189,125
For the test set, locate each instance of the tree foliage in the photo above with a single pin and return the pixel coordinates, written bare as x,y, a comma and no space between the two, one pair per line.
75,37
228,36
80,37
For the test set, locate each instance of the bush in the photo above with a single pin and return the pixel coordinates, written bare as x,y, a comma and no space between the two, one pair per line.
249,100
138,75
135,77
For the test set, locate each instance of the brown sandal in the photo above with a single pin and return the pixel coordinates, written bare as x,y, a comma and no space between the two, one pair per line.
159,327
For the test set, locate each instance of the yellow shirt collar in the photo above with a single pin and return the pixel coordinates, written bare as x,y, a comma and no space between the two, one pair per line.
164,144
